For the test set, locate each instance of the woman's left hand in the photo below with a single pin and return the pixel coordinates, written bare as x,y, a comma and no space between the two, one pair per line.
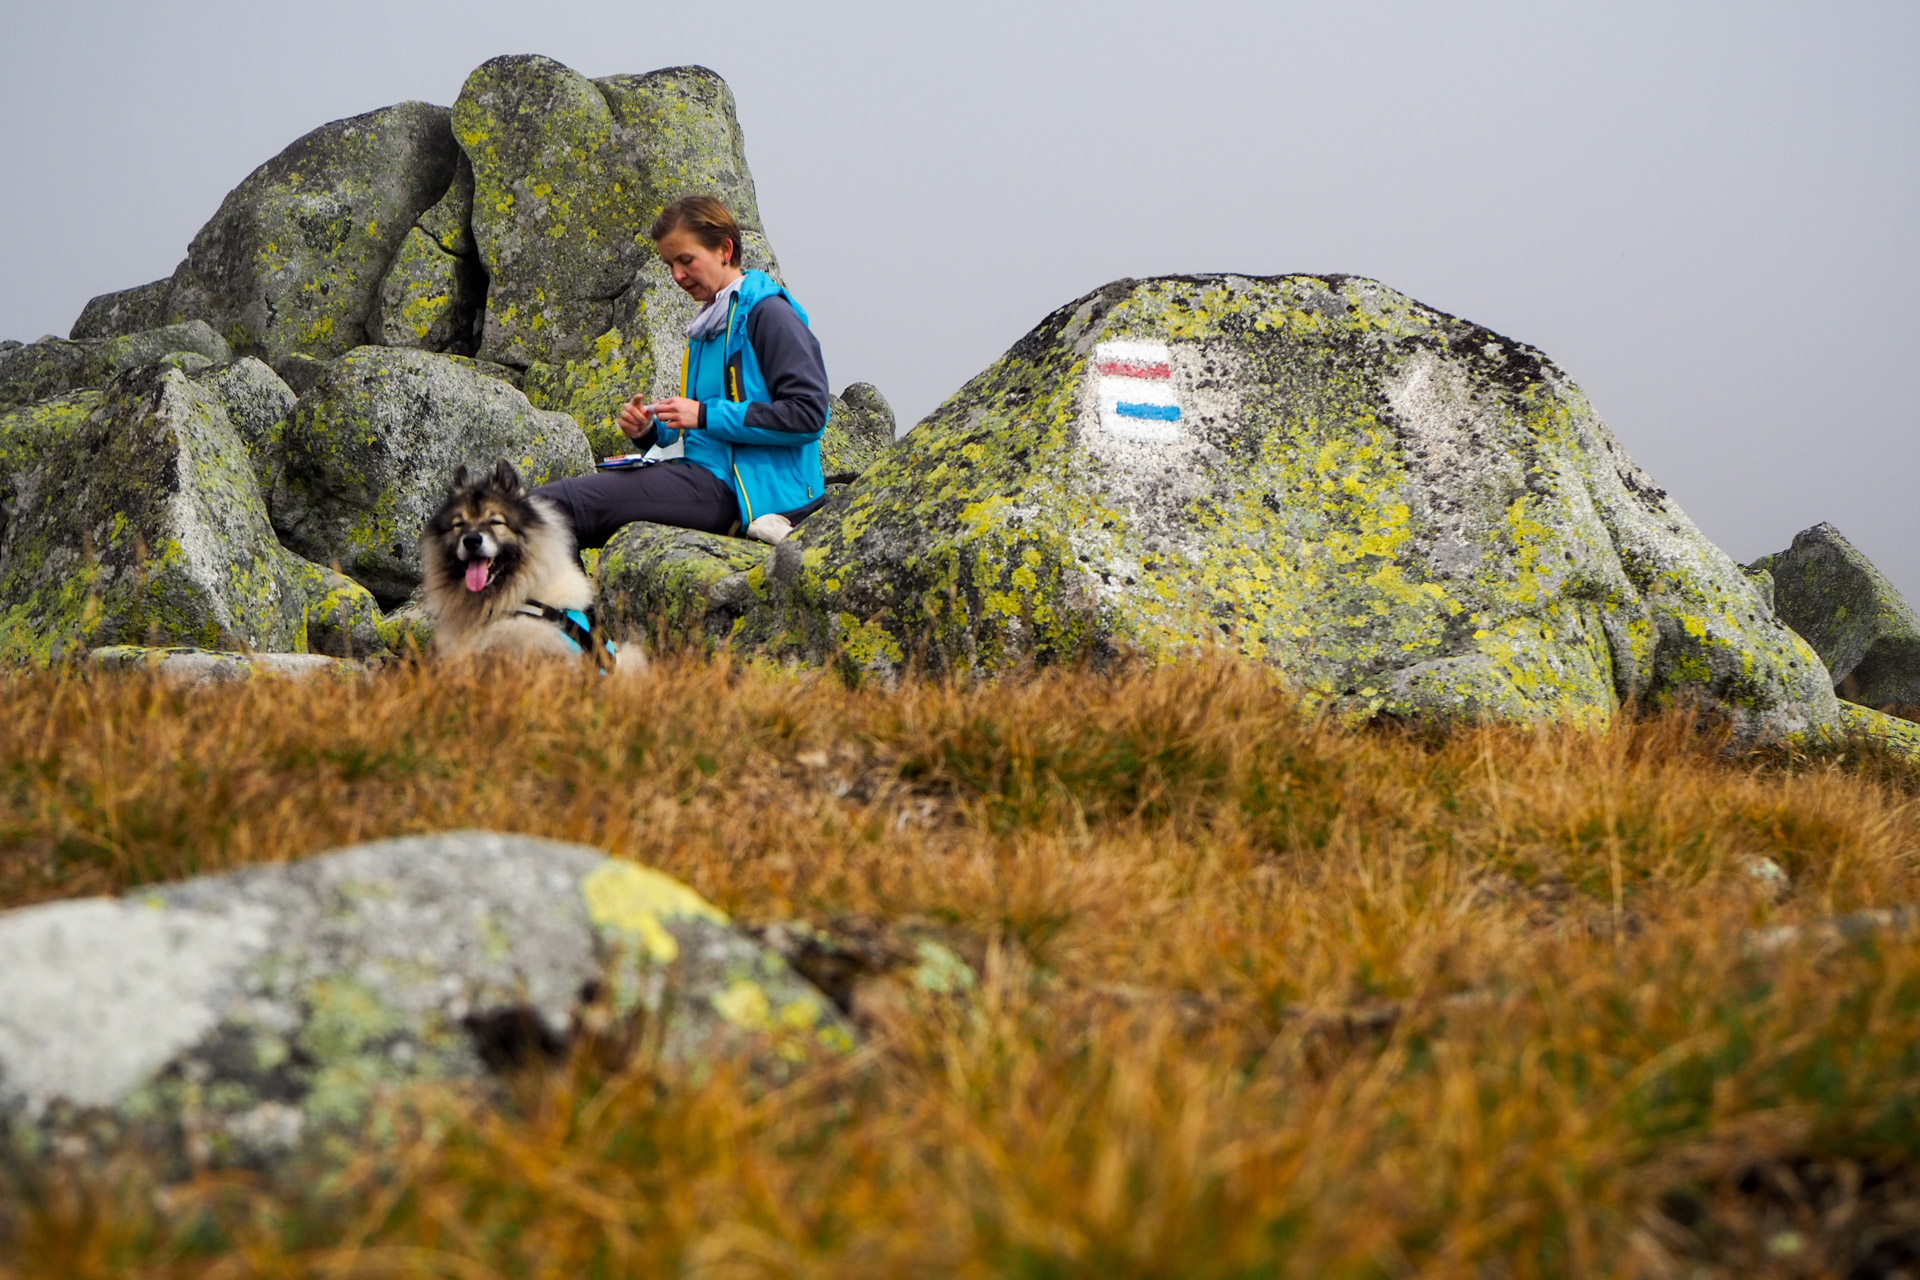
679,413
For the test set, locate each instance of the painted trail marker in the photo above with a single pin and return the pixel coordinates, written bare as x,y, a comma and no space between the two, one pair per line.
1136,390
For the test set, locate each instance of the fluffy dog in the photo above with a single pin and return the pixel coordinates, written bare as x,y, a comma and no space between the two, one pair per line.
501,575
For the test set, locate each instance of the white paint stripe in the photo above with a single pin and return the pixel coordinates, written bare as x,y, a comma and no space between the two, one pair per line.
1137,390
1139,352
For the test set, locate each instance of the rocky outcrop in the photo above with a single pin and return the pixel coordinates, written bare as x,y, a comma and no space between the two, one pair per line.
293,258
112,315
1862,628
1407,513
27,433
37,371
240,1018
859,433
367,455
140,521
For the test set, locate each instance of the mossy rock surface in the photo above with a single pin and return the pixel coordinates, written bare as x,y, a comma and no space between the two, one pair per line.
1407,513
264,1014
430,299
37,371
291,261
369,452
859,432
27,433
123,311
1897,735
1859,624
679,586
569,173
142,523
559,206
256,400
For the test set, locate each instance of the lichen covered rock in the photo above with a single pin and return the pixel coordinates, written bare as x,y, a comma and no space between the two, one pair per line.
367,455
256,400
859,432
124,311
1895,734
37,371
240,1018
205,666
1859,624
559,206
430,299
291,261
28,432
1407,513
679,586
143,524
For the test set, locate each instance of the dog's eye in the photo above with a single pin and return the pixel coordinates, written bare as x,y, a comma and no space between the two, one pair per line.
495,520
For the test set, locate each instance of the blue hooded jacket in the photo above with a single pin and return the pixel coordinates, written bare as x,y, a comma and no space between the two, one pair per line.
770,469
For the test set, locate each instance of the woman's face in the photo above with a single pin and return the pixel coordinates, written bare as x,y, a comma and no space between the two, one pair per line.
701,271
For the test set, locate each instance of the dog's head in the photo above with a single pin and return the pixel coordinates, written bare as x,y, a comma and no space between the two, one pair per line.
483,530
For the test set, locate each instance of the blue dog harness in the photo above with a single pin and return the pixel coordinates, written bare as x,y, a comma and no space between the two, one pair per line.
580,629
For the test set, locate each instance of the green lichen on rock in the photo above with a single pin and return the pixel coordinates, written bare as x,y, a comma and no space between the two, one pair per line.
28,432
677,586
54,366
264,1015
368,454
1897,735
593,388
429,298
568,175
292,260
145,525
860,429
1407,513
1856,620
124,311
559,207
256,400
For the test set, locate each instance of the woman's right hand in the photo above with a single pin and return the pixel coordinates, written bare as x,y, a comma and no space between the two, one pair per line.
634,418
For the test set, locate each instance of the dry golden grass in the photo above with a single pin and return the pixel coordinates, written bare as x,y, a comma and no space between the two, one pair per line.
1259,996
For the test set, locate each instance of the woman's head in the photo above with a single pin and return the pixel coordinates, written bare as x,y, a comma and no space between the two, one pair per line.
700,243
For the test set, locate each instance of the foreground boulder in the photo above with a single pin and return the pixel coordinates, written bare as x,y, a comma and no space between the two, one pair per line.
293,259
1862,628
366,457
1409,514
141,522
242,1017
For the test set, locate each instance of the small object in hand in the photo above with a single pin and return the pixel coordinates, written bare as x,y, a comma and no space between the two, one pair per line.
623,461
771,529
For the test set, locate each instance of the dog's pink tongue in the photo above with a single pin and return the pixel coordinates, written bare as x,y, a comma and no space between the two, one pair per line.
477,574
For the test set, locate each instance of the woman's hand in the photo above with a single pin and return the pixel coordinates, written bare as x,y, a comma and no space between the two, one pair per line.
678,412
634,418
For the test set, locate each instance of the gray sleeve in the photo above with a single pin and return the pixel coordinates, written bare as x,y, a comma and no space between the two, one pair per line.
790,360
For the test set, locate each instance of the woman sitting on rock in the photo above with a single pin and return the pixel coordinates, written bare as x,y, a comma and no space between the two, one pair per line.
752,403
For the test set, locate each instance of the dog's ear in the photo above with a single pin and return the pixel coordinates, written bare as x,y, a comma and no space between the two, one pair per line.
461,478
507,480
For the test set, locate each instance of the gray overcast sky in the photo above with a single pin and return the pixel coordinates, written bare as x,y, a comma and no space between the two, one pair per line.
1706,212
